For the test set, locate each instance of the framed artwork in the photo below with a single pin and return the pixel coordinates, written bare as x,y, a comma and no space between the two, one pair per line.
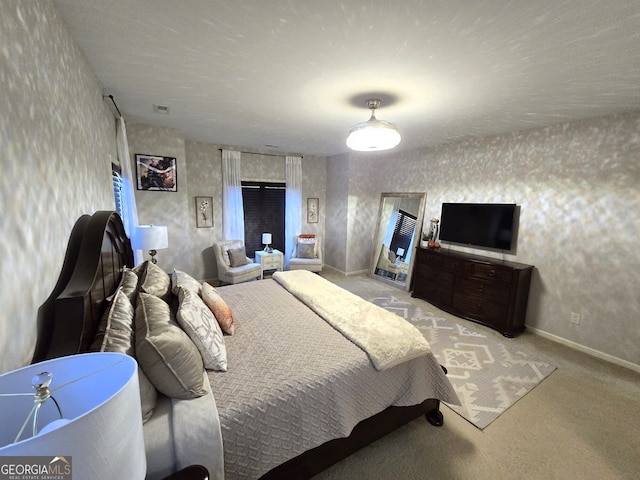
156,173
313,209
204,212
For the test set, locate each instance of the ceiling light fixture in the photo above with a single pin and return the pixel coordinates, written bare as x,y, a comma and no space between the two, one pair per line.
373,135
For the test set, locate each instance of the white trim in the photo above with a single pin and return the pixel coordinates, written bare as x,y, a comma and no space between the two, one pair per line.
587,350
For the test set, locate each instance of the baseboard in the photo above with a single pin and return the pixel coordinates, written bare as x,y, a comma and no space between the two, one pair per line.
349,274
589,351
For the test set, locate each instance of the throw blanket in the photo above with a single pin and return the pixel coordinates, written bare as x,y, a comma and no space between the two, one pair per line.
387,338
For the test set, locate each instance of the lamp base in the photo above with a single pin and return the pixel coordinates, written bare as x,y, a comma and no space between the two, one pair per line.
153,254
268,249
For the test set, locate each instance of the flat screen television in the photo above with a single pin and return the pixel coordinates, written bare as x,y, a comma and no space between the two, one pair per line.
488,225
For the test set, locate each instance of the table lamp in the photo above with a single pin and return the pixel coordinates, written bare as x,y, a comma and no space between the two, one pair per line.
266,239
152,238
85,411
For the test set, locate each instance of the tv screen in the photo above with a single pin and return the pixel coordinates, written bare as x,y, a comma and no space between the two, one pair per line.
479,224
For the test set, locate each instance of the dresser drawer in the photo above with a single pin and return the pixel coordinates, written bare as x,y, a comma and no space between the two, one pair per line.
429,273
434,292
491,271
497,292
481,309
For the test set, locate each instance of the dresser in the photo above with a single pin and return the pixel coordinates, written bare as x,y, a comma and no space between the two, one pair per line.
485,290
269,261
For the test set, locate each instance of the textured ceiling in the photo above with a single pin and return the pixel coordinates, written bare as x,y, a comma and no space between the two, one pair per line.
296,73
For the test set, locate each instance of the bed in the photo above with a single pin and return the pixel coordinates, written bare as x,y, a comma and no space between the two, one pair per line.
297,395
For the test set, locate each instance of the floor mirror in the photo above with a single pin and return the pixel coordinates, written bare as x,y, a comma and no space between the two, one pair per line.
400,218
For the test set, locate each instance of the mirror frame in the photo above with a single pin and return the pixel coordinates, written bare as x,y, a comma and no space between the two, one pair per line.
422,196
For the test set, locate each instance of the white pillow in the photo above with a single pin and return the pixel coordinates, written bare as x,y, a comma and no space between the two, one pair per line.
198,322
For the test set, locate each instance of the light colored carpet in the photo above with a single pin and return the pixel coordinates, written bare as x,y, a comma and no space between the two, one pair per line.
580,422
488,375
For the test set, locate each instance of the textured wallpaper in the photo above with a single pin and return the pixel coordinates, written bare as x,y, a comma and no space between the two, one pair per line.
578,189
57,141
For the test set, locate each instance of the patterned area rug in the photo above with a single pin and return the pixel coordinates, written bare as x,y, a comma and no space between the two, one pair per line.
489,376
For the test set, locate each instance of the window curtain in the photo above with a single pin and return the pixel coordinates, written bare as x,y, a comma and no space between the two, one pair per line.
232,208
390,215
293,204
129,209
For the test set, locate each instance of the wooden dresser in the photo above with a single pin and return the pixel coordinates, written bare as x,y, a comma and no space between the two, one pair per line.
485,290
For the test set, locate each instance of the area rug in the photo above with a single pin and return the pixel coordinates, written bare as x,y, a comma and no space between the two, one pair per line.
488,375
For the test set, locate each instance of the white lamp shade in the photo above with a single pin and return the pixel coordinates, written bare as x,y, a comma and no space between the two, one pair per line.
98,394
400,251
266,238
373,135
150,237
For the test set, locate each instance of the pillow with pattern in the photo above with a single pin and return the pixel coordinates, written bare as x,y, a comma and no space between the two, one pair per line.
238,257
198,321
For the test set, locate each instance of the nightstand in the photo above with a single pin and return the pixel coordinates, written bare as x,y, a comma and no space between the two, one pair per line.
194,472
269,261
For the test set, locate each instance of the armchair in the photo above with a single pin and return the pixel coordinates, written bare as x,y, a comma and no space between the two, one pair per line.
309,258
386,262
234,274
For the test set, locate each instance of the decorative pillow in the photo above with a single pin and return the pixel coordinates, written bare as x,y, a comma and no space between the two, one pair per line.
165,353
153,280
306,250
115,334
184,280
219,308
238,257
229,245
308,239
197,320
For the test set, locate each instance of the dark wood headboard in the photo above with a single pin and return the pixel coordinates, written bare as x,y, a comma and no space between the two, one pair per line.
97,252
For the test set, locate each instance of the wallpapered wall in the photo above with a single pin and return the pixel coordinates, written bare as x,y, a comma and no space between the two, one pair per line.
577,186
200,174
56,134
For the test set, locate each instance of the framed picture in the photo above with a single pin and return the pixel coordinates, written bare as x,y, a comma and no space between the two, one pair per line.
156,173
204,212
313,210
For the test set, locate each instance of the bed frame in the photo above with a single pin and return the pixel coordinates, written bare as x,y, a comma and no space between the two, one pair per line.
97,251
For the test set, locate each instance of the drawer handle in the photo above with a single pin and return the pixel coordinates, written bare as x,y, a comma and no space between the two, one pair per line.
481,288
492,273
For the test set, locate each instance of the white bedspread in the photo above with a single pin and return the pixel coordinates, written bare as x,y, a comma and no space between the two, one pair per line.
387,338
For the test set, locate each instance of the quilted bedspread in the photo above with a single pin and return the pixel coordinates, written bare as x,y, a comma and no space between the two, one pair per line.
294,382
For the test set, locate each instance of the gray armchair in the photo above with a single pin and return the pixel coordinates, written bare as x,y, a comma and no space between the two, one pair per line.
238,274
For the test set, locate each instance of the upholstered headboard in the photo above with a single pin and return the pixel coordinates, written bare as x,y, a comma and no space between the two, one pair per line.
98,250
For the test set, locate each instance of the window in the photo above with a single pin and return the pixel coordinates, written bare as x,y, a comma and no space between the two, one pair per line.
403,232
263,212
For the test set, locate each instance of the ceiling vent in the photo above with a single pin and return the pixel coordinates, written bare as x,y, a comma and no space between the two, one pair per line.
161,109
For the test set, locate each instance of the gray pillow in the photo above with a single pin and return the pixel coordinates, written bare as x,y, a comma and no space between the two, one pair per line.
238,257
153,280
306,250
165,352
115,334
181,279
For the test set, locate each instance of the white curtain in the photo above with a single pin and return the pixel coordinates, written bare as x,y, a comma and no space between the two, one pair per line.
390,215
129,210
293,204
232,208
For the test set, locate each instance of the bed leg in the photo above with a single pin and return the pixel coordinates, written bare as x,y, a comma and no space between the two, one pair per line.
435,417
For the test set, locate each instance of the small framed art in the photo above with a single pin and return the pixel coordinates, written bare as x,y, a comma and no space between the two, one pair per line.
204,212
156,173
313,209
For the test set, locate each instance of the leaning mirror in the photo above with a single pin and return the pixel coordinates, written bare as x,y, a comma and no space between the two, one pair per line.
400,218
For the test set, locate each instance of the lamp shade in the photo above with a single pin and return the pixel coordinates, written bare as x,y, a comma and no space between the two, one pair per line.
101,435
400,251
266,238
150,237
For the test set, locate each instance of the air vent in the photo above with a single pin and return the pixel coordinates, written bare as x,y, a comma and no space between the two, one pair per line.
161,109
